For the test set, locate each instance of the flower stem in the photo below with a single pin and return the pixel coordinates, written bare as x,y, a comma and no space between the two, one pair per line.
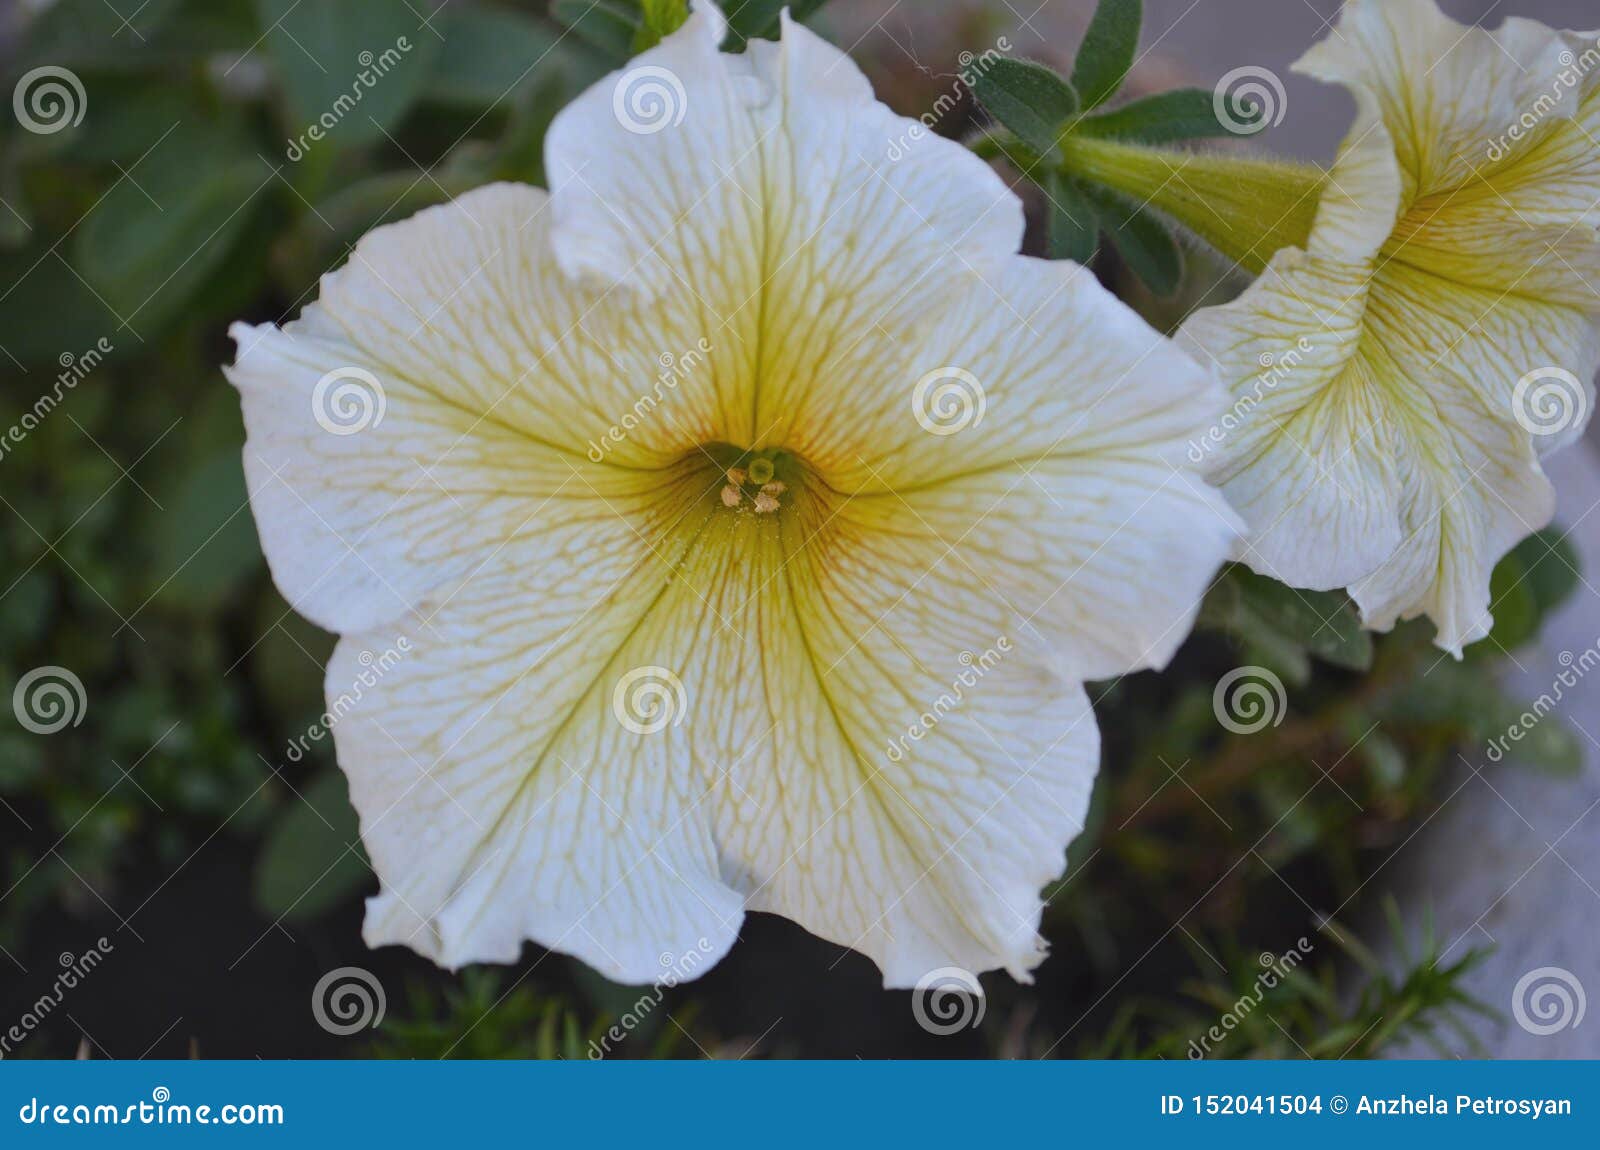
1244,207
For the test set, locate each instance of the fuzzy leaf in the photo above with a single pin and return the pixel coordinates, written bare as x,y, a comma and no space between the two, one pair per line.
1145,241
1073,226
1107,51
1028,98
1181,114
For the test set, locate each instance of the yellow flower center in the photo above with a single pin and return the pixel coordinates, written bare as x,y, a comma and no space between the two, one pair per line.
754,481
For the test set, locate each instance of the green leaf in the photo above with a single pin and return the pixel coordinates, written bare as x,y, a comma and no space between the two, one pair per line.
520,155
1514,606
351,68
1549,744
1257,610
320,237
205,540
487,56
100,34
1532,580
759,19
1552,567
312,858
1384,760
1073,227
658,19
1028,98
163,227
1144,240
1323,622
1107,51
1181,114
608,25
47,311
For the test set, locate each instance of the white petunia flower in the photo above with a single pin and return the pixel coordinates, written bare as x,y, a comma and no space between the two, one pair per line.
1396,380
752,512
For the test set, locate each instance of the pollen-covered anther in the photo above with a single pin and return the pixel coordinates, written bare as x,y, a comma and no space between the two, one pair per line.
767,497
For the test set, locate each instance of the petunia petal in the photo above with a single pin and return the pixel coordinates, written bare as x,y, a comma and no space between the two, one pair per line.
437,402
1059,461
501,799
1303,454
775,204
898,770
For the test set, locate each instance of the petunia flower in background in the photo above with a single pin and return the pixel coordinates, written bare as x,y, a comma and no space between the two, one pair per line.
1397,377
752,514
